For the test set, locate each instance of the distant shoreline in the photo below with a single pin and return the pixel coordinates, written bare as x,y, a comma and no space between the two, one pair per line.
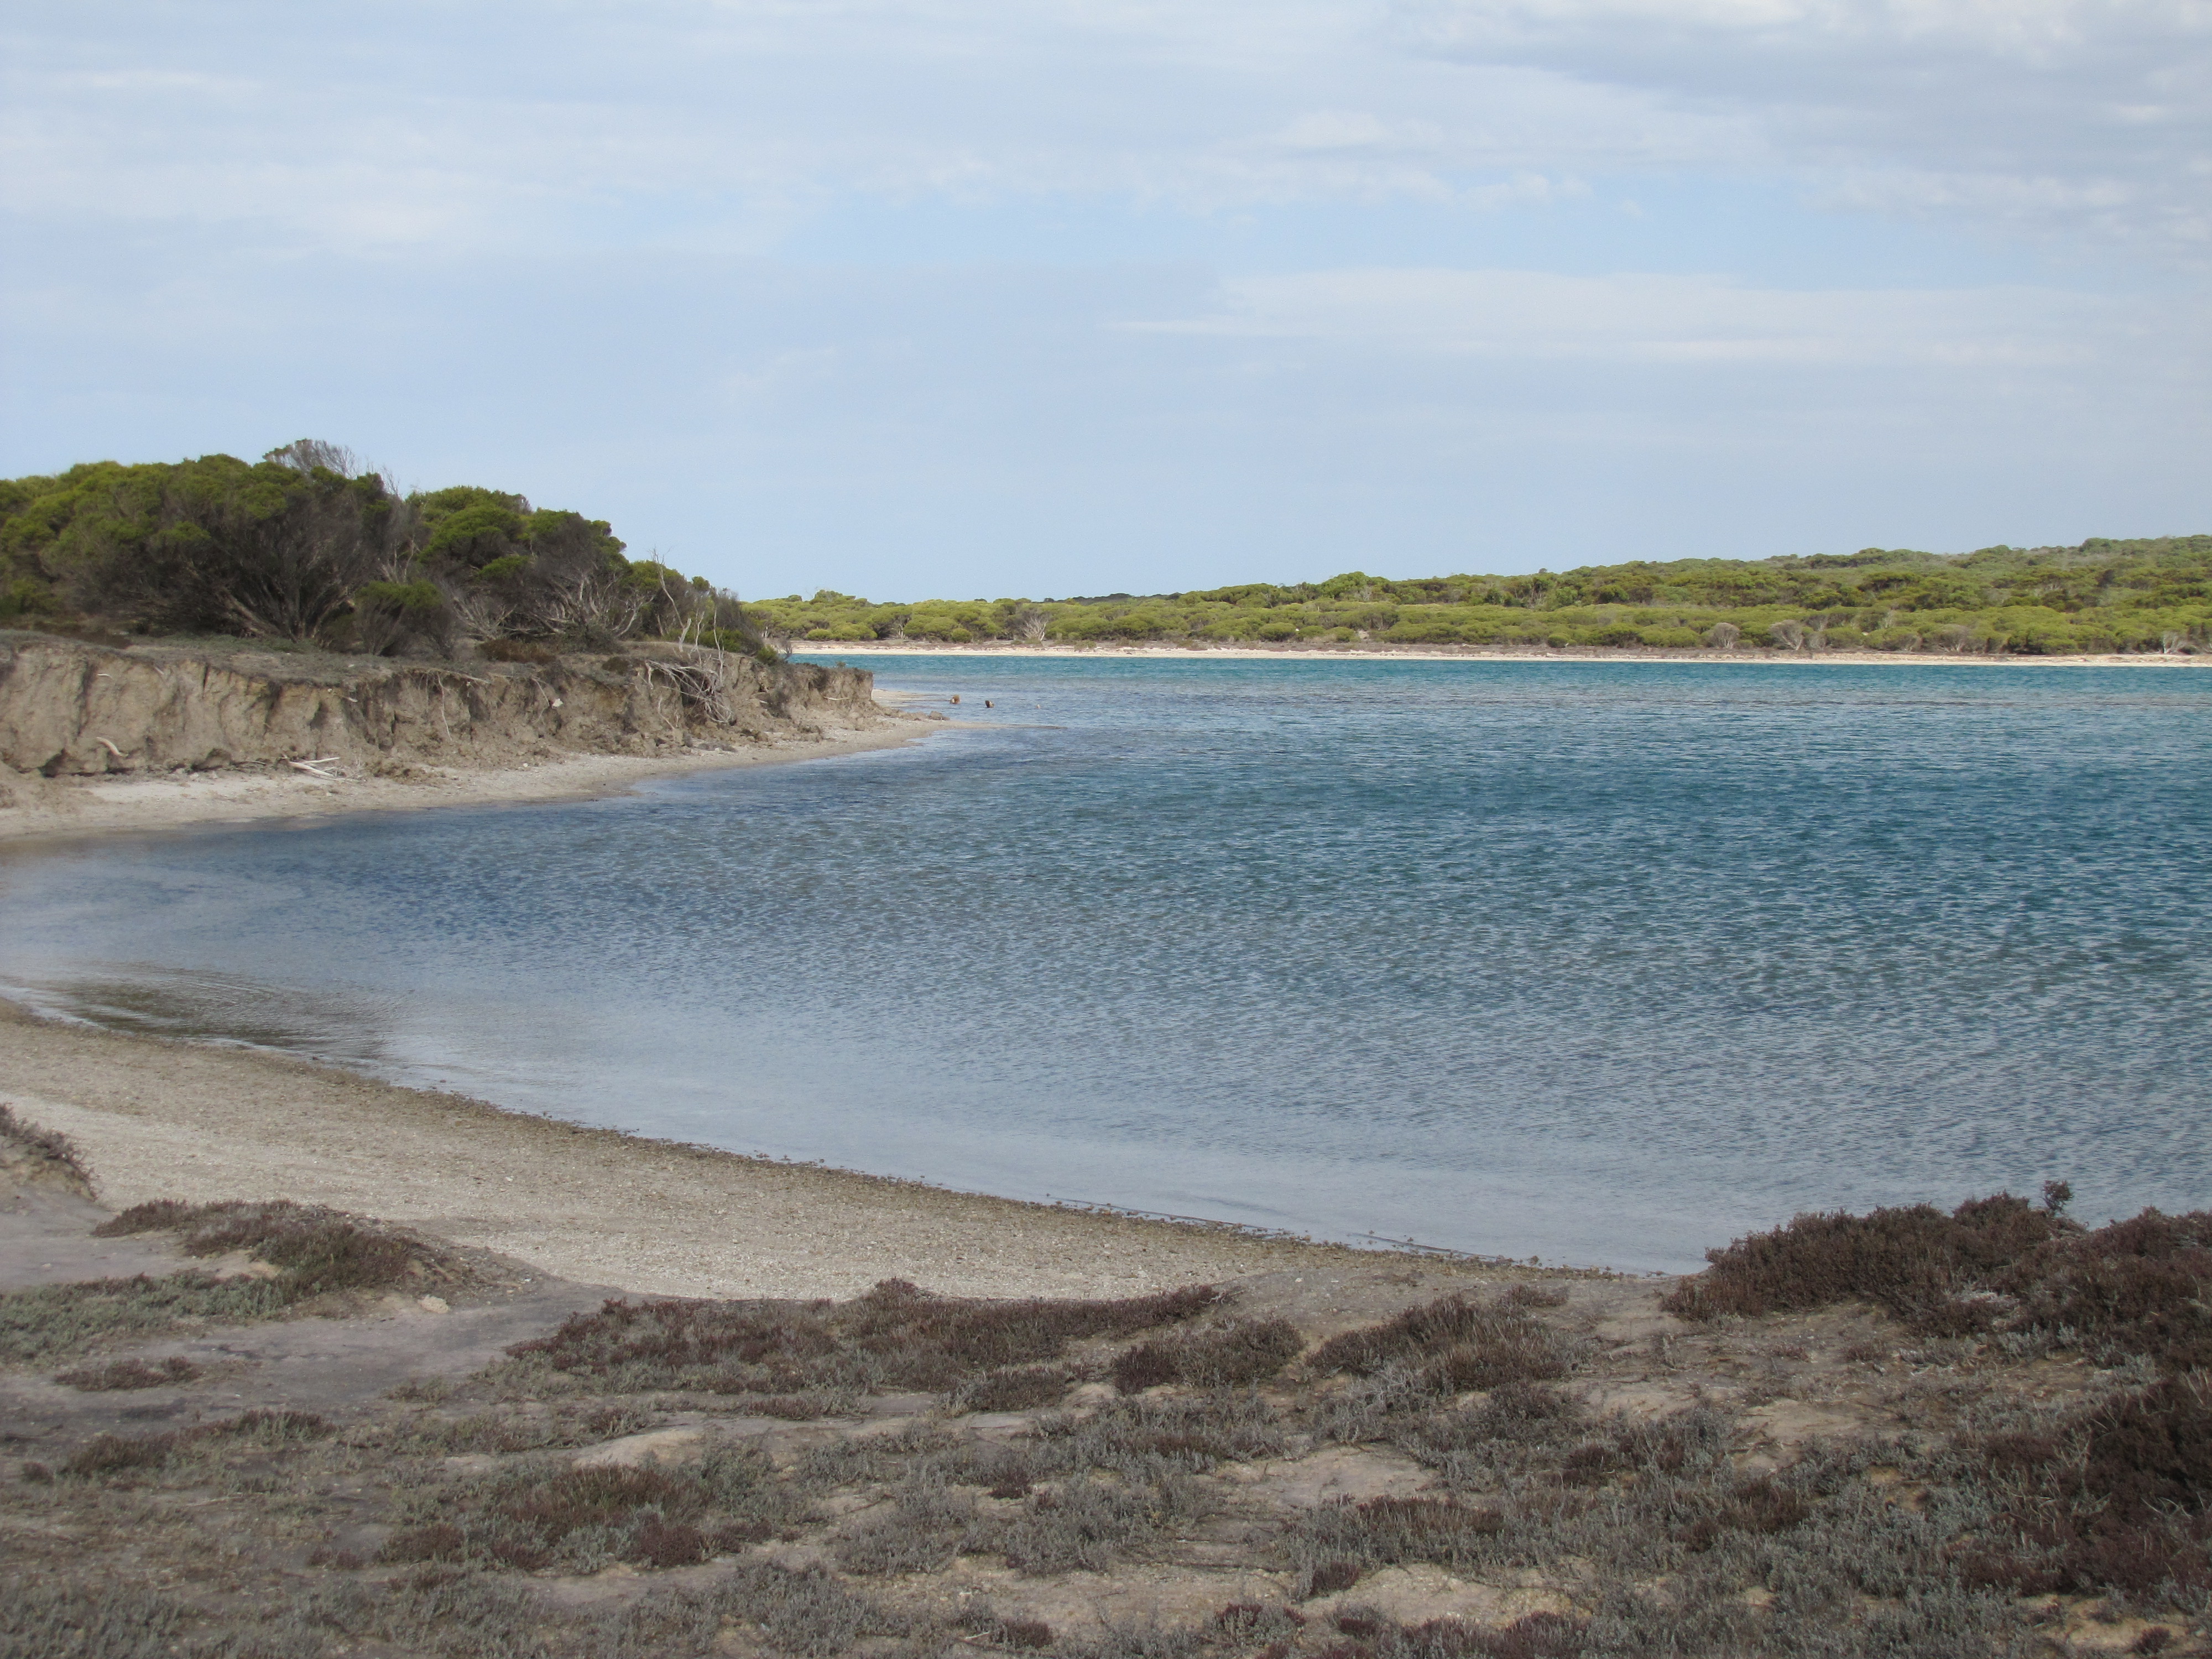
833,649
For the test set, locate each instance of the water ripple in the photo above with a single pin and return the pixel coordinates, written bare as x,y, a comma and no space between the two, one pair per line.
1604,962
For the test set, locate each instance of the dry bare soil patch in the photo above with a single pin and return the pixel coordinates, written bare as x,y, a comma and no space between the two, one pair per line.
1911,1433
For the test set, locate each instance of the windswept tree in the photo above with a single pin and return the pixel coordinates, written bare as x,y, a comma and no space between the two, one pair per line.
216,546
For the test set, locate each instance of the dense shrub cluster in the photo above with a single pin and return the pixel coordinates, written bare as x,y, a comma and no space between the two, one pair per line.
1244,1351
2119,1495
1995,1264
1452,1345
306,546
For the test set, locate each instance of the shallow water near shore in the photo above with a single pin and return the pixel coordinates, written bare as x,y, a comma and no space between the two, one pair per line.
1596,962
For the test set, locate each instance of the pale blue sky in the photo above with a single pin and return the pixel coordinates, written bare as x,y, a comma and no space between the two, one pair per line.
1080,295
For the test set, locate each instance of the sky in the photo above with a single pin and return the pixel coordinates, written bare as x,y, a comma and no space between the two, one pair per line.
907,298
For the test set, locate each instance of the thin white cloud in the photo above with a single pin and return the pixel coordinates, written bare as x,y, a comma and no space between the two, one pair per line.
560,244
1683,321
2055,118
2052,117
747,107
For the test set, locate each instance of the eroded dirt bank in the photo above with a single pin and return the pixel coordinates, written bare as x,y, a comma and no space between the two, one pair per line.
69,709
93,737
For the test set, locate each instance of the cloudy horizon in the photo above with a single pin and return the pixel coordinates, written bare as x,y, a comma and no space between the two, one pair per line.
937,298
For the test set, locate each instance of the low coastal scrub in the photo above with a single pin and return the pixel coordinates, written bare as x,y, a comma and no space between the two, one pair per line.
131,1374
1999,1265
308,1254
316,1251
2152,596
2116,1496
35,1156
107,1454
584,1518
50,1320
1245,1351
896,1336
1453,1344
1814,1457
1016,1388
503,1431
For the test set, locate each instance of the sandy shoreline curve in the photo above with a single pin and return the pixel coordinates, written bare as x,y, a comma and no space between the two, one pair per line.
157,1118
833,649
34,809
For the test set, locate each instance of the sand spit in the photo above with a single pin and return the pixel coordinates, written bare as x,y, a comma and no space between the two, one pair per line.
159,1119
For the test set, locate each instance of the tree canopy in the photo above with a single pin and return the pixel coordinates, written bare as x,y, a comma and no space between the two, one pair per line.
306,546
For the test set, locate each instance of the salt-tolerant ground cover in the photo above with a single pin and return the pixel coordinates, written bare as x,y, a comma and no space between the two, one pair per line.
1915,1433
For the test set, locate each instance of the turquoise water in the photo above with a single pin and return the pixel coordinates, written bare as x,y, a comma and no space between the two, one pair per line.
1594,962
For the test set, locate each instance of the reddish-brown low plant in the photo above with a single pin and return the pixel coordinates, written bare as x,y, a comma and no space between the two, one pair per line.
1994,1264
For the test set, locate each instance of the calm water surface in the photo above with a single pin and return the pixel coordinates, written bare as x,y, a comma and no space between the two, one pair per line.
1598,961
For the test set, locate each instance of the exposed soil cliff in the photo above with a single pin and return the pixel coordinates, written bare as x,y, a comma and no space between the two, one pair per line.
71,708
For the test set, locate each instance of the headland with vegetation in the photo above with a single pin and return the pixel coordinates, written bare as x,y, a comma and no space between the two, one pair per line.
297,634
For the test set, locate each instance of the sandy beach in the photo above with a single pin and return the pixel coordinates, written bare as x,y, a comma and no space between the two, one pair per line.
34,808
157,1119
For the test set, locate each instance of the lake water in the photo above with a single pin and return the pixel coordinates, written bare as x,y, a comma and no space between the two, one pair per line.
1593,962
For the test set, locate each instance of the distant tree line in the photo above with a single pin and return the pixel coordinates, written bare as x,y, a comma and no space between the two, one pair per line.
2103,596
308,546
